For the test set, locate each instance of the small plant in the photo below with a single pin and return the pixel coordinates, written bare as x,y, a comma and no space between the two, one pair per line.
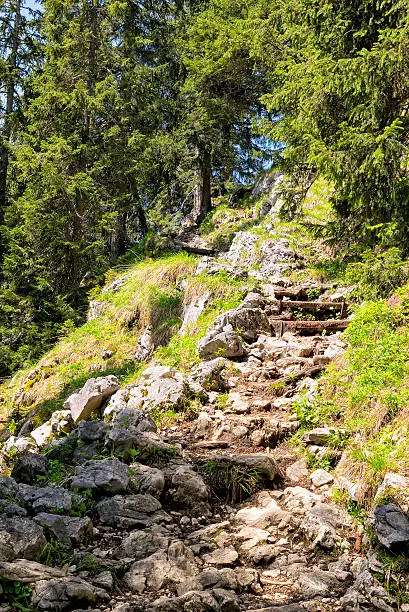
232,482
396,574
18,595
83,503
54,553
277,388
222,401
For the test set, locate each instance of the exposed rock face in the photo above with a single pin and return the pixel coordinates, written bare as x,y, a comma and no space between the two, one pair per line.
104,475
91,396
391,526
192,312
44,499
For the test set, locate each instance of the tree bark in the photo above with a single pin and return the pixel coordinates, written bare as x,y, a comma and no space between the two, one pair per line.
202,192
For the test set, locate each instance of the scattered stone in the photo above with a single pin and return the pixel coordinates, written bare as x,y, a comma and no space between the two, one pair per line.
104,580
297,471
92,431
145,479
319,436
320,525
188,490
210,375
44,499
320,478
91,396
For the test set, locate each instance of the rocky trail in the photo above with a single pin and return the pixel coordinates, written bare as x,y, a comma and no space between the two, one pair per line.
212,514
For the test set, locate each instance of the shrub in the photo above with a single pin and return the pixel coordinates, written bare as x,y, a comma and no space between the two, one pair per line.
378,275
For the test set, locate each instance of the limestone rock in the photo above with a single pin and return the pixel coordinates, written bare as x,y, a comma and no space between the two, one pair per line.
92,431
44,499
70,531
103,475
130,511
8,488
140,544
197,601
20,538
316,583
227,343
320,478
60,422
27,468
60,594
222,556
146,479
23,570
210,375
188,490
297,471
367,593
145,346
18,447
91,396
193,310
320,525
174,565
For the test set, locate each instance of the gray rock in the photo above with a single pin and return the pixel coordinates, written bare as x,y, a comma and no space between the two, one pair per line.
316,583
249,322
224,578
391,526
297,471
92,431
17,447
145,345
163,387
130,511
70,531
171,566
60,594
91,396
226,343
60,423
146,479
262,554
320,478
44,499
222,556
197,601
116,403
318,436
23,570
14,510
20,538
8,488
320,525
134,420
227,600
104,580
193,310
27,468
103,476
210,375
367,593
189,491
140,544
242,252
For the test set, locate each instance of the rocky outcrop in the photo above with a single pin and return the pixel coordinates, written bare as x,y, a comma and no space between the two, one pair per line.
90,397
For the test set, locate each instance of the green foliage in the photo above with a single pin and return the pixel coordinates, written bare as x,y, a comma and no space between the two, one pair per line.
54,553
232,483
18,595
378,275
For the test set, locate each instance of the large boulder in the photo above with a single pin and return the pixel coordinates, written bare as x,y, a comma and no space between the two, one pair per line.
20,538
140,544
92,431
391,526
70,531
102,476
92,395
61,422
320,525
60,594
210,376
159,387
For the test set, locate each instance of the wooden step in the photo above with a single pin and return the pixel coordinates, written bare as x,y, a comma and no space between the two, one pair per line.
280,327
299,292
306,305
304,373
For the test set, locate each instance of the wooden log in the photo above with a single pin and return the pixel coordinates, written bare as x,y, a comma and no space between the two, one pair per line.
311,305
280,327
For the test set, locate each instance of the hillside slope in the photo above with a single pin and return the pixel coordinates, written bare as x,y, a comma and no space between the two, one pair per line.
206,441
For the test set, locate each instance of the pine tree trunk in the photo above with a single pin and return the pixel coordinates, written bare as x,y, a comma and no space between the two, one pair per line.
202,193
6,131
